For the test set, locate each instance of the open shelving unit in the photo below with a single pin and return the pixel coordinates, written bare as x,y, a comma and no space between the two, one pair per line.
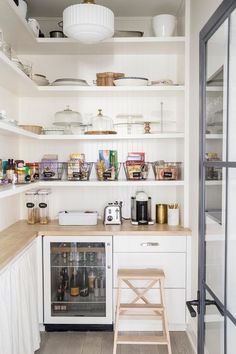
167,51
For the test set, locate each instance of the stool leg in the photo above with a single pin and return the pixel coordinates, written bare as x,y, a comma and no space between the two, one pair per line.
117,317
165,320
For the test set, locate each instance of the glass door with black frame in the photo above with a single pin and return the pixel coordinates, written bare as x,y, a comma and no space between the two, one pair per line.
216,299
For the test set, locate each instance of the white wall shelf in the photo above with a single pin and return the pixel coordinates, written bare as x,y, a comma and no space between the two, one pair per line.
11,130
113,137
52,91
119,183
214,136
214,183
28,44
10,190
126,46
14,79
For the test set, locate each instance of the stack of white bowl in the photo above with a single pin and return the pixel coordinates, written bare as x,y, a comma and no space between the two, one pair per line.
40,79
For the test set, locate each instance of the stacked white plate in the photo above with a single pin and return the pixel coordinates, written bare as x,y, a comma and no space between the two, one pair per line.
69,82
131,81
40,80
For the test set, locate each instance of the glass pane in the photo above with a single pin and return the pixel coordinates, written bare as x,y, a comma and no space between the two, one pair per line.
232,89
231,260
216,94
214,329
231,337
215,235
78,279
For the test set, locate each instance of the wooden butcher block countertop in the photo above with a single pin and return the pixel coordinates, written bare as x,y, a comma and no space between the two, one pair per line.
15,238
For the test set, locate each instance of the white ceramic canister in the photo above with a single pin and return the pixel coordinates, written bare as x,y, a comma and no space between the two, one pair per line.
173,216
22,7
34,26
164,25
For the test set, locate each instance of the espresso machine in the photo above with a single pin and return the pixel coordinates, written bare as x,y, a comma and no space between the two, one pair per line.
141,207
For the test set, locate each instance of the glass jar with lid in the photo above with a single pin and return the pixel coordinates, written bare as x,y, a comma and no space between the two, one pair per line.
43,201
31,205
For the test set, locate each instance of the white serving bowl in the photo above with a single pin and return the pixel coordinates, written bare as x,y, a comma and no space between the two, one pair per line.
164,25
131,81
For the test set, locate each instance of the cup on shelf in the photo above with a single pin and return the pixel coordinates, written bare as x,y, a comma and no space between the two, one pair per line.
164,25
173,214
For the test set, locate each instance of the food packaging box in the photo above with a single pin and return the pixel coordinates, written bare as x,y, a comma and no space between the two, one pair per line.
78,218
104,155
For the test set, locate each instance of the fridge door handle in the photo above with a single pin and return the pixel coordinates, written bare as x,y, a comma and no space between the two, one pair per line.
108,249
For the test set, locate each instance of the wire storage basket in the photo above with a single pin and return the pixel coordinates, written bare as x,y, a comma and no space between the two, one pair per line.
79,170
167,170
51,170
136,171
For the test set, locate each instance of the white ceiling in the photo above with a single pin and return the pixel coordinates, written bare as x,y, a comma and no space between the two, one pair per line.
123,8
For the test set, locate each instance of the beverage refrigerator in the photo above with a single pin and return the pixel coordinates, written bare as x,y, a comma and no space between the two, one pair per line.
77,282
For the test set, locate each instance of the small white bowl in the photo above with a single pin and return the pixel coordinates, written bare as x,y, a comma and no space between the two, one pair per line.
164,25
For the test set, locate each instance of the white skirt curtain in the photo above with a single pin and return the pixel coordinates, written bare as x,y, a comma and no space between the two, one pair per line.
19,328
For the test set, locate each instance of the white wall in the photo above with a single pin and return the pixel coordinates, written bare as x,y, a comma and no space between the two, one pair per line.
200,13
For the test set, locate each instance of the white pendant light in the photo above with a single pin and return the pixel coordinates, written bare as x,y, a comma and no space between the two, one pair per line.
87,22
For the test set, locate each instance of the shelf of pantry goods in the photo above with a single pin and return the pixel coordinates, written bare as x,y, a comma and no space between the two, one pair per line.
9,190
15,238
28,44
15,80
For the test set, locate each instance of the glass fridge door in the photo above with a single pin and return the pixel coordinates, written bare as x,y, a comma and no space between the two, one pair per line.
77,280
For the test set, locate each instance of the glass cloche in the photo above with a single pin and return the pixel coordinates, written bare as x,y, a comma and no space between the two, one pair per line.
101,125
68,117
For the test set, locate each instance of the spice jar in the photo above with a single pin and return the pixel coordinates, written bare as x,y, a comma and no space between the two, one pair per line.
31,205
43,206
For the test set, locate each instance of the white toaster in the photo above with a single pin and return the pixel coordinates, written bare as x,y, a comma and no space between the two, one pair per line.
112,214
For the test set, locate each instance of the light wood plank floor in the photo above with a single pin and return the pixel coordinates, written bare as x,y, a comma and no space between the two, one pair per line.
102,343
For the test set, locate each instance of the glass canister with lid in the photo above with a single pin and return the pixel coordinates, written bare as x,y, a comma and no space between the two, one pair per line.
43,203
32,208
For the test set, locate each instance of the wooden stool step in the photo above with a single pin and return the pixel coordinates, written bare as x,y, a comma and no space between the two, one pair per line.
147,273
158,307
141,308
132,339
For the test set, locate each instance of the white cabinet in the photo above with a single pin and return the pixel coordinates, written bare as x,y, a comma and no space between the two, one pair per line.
169,253
18,304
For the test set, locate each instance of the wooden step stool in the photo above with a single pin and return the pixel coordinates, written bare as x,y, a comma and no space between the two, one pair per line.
155,311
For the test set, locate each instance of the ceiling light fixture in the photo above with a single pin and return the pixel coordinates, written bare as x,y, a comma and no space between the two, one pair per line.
88,23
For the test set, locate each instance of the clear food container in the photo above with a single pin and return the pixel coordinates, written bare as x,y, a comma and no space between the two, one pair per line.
136,171
167,170
79,170
32,208
51,170
107,173
43,203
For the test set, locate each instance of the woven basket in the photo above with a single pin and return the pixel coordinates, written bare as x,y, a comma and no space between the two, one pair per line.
36,129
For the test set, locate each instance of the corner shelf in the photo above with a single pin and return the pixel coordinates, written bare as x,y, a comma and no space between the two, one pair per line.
11,130
16,81
10,190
